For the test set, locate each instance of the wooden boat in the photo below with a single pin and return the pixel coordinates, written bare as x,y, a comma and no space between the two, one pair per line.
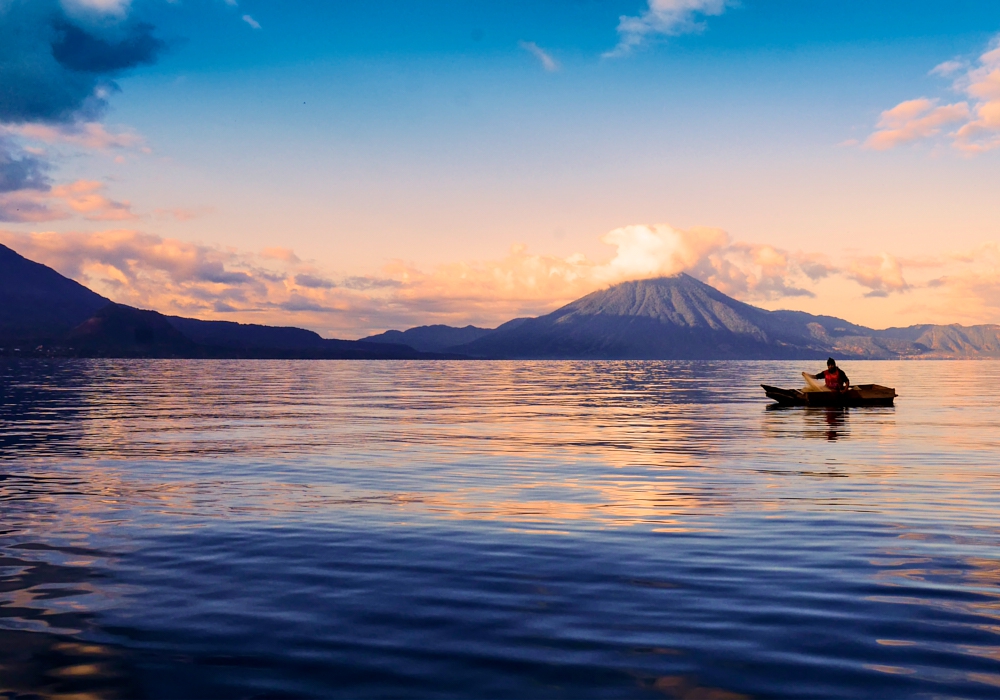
816,394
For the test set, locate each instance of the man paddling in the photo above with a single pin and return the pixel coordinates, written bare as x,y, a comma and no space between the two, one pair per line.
836,379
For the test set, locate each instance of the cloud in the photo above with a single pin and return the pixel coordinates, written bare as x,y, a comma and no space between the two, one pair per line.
664,17
251,21
314,282
982,84
89,135
57,67
947,68
300,303
548,63
78,50
111,7
82,198
914,120
965,287
977,118
135,262
882,275
648,251
26,206
283,254
369,282
20,170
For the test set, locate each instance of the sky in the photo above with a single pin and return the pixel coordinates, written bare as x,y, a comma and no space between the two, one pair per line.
353,167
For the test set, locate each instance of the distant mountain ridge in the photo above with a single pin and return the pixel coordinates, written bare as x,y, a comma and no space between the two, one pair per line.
431,338
438,338
680,317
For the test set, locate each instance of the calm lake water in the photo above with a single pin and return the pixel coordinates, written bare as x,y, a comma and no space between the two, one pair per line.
504,529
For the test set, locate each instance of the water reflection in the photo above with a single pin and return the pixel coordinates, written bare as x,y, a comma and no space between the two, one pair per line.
835,420
40,407
531,529
44,665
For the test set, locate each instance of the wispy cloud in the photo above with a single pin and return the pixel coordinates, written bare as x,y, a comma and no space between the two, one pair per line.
251,21
89,135
976,120
663,17
548,63
948,68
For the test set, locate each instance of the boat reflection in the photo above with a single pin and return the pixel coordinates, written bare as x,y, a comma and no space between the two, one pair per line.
836,423
827,423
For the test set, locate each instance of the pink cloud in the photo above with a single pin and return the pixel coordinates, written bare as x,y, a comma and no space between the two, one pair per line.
283,254
90,135
977,119
983,132
82,197
914,120
882,275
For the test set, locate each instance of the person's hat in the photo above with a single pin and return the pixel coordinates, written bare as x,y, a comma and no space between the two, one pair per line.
830,361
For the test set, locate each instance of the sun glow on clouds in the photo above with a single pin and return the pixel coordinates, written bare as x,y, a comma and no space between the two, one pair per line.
976,120
277,287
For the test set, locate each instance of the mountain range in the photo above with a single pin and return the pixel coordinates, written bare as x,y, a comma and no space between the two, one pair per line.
679,317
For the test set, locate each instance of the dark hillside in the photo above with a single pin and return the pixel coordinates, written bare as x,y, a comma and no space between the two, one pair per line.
39,304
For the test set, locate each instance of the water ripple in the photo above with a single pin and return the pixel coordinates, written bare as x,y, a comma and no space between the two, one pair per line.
529,529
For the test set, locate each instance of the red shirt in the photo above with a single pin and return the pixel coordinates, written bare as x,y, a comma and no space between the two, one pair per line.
836,379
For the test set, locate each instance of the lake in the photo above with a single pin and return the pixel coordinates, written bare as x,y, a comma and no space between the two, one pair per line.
259,529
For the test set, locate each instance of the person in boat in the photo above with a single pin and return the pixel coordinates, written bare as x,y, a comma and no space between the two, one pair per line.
835,378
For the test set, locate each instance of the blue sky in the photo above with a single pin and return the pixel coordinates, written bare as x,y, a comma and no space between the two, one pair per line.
376,137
